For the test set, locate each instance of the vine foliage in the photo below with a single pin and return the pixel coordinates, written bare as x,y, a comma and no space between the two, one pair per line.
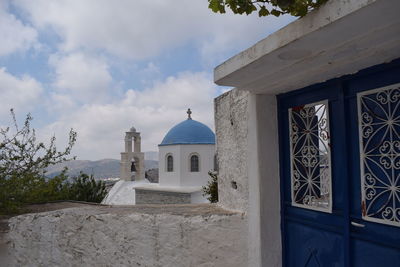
297,8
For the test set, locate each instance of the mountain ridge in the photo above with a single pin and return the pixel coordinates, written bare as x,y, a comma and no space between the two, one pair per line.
103,168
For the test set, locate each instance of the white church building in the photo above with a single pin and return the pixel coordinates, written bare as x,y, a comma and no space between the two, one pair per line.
186,155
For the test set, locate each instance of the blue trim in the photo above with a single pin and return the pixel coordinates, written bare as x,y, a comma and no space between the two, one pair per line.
345,78
342,133
282,181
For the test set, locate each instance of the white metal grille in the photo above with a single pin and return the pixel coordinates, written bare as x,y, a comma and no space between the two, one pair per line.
310,156
379,133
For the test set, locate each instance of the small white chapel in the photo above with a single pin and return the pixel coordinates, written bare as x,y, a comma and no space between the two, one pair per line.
186,155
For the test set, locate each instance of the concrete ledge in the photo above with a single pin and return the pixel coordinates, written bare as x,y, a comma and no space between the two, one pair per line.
143,235
340,38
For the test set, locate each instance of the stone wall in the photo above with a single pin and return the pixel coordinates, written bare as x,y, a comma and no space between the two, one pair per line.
144,235
248,179
161,197
231,127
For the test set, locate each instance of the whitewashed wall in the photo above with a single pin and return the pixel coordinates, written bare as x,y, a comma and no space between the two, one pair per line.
231,118
206,164
248,179
169,178
201,235
181,176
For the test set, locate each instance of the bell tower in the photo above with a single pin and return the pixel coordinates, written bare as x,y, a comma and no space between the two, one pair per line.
132,161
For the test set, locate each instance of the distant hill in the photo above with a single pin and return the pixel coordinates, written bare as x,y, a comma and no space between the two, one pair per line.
104,168
151,155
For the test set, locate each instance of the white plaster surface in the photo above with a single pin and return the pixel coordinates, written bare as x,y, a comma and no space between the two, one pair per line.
175,235
231,115
264,183
247,147
164,177
123,193
181,175
197,197
206,154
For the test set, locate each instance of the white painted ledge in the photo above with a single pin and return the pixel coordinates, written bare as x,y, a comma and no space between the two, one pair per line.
123,192
342,37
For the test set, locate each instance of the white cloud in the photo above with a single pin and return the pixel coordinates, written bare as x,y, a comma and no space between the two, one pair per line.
144,29
59,103
80,78
100,37
152,111
14,35
22,93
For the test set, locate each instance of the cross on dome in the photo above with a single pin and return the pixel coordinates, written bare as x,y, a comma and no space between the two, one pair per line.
189,112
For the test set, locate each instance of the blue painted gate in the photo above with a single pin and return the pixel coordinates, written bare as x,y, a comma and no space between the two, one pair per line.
340,170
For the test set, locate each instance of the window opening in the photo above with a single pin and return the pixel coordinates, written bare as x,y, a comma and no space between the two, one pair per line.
170,163
310,156
379,134
194,163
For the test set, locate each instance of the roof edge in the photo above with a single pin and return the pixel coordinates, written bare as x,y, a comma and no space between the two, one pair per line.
328,13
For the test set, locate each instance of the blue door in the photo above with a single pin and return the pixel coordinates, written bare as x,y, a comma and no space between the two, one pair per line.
340,170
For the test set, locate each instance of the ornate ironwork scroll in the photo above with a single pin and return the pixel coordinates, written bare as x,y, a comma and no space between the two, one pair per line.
379,133
310,156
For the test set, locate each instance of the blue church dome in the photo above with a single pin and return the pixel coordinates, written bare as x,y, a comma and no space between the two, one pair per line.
189,132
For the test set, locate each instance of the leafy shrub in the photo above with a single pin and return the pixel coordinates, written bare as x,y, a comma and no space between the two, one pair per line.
211,189
86,188
16,191
23,161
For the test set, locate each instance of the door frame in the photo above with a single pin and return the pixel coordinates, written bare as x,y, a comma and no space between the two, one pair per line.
342,84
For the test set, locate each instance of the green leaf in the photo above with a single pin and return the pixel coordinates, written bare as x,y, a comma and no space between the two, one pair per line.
298,8
276,12
214,5
283,4
263,11
303,10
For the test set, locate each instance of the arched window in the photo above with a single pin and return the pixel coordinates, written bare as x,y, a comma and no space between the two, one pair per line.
170,163
194,163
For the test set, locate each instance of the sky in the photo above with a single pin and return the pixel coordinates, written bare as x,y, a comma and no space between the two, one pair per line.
101,67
